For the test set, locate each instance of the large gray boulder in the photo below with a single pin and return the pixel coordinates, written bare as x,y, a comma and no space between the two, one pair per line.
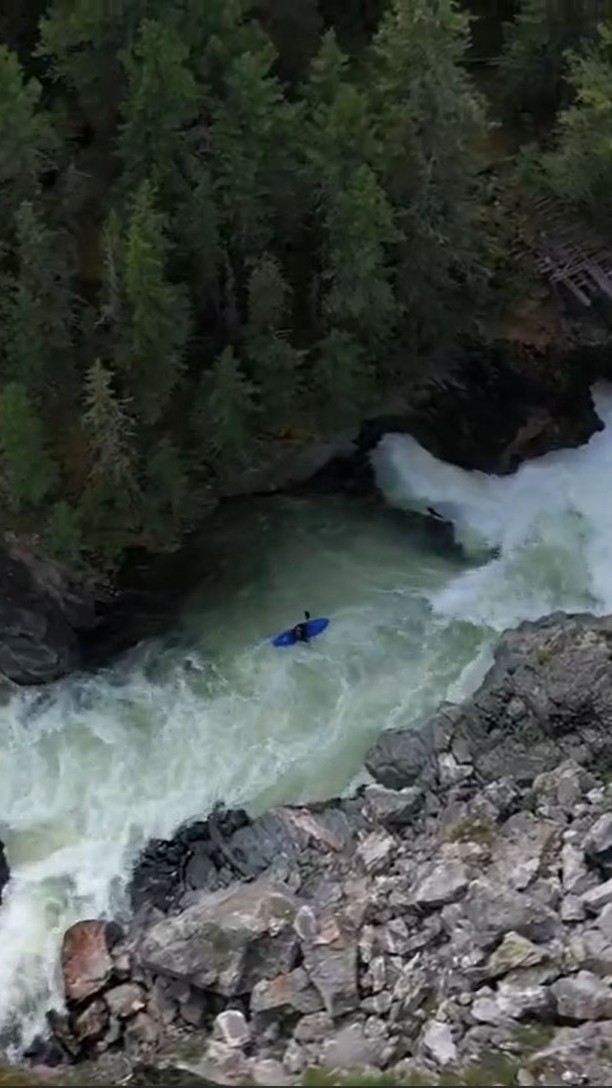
226,941
547,698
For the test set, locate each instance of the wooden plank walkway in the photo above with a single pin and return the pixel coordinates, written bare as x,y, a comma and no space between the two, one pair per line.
569,253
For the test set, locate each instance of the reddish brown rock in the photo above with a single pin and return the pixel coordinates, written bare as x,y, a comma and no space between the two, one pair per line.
86,962
90,1025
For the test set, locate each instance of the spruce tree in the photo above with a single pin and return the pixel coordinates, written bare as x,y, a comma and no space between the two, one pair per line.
274,363
161,99
110,434
428,121
32,471
534,65
27,143
579,170
157,311
38,308
224,415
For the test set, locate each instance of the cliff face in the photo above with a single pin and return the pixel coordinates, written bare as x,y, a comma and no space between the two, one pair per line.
453,920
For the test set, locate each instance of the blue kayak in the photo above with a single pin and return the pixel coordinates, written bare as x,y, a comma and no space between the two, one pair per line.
314,628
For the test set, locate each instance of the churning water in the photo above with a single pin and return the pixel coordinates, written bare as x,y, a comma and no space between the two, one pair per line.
91,768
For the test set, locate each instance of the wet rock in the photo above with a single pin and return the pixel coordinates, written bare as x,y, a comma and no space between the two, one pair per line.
227,941
494,911
392,808
584,997
598,843
445,883
86,961
401,758
90,1025
286,995
514,952
125,1000
232,1029
5,872
438,1043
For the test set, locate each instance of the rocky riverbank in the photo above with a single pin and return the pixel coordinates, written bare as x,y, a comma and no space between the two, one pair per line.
452,920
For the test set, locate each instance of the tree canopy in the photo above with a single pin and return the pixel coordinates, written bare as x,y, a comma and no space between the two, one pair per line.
220,223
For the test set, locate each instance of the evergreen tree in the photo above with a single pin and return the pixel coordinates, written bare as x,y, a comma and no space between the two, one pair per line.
37,309
63,533
158,320
274,362
343,380
428,121
294,29
360,296
166,494
161,100
534,65
224,415
27,144
579,170
33,473
110,434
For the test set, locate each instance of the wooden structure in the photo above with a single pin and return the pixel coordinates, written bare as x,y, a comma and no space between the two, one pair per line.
567,252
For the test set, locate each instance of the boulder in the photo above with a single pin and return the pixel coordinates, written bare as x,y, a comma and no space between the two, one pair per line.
598,843
353,1048
576,878
404,757
376,850
438,1043
332,969
445,883
86,961
514,952
576,1055
125,1000
232,1029
392,808
5,872
90,1025
494,911
583,997
598,897
227,941
285,996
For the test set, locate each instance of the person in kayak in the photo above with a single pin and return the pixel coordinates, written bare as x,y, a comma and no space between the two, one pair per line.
300,631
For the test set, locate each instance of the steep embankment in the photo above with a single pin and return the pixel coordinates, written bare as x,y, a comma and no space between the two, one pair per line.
454,920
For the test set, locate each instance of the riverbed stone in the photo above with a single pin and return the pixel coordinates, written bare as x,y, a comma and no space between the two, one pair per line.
86,961
228,940
90,1025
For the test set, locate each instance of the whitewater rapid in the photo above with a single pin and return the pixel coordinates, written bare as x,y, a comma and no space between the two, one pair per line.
94,766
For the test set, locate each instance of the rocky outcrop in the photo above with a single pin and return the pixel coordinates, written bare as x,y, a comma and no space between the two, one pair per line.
453,919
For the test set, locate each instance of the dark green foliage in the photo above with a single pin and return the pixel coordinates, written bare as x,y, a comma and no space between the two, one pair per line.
216,223
534,66
579,170
30,466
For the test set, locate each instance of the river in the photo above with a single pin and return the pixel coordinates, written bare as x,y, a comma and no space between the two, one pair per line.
94,766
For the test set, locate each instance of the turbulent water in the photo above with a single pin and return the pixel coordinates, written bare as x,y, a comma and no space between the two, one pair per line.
94,766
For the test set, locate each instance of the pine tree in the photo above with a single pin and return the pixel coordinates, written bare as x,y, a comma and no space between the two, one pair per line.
579,170
27,143
343,380
110,433
294,29
158,320
360,296
63,533
224,415
32,471
534,65
161,100
428,121
166,494
274,363
37,308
